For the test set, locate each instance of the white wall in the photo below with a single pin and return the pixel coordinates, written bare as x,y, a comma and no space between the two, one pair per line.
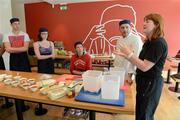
18,11
5,16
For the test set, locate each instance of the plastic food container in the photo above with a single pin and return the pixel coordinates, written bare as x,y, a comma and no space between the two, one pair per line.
33,88
8,77
92,80
31,81
118,71
8,81
110,87
15,83
17,77
56,93
2,77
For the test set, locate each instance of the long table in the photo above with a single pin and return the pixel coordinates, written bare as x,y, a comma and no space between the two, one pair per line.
20,94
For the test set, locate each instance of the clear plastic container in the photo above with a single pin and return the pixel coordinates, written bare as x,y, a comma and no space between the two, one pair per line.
120,72
92,80
110,87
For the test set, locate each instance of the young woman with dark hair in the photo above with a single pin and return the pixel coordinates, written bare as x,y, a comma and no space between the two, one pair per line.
44,51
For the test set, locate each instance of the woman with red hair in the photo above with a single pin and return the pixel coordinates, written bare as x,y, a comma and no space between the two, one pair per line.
149,82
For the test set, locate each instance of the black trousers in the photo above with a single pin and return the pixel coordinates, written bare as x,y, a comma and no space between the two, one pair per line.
147,96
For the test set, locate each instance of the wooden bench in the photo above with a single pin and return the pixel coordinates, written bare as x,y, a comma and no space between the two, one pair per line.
176,88
172,67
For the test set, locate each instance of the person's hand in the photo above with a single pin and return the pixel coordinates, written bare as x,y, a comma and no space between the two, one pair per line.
52,56
8,50
129,79
123,50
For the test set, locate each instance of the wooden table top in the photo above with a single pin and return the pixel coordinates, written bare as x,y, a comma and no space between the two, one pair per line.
19,93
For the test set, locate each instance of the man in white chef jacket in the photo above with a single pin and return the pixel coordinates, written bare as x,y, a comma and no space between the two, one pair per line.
133,41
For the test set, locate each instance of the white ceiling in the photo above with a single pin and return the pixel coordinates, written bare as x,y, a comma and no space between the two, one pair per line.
57,1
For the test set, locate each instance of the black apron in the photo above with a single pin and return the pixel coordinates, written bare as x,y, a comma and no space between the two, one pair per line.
19,62
46,66
2,67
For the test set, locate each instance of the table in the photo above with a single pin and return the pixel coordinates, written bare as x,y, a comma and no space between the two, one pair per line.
20,94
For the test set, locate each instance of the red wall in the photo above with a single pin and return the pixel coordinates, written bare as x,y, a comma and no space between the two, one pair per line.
75,23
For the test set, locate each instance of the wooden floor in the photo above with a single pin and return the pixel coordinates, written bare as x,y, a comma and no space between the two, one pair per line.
168,109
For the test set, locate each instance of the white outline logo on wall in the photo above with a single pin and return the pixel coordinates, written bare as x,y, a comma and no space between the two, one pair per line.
100,31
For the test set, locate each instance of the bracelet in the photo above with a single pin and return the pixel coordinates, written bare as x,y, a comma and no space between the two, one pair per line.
130,55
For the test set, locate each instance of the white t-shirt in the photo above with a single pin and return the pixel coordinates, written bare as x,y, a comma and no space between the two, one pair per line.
16,40
135,43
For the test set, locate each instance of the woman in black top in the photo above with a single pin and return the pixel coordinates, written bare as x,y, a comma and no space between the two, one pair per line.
44,50
149,67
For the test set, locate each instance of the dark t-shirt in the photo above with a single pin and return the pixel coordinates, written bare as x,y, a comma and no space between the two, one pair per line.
154,51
